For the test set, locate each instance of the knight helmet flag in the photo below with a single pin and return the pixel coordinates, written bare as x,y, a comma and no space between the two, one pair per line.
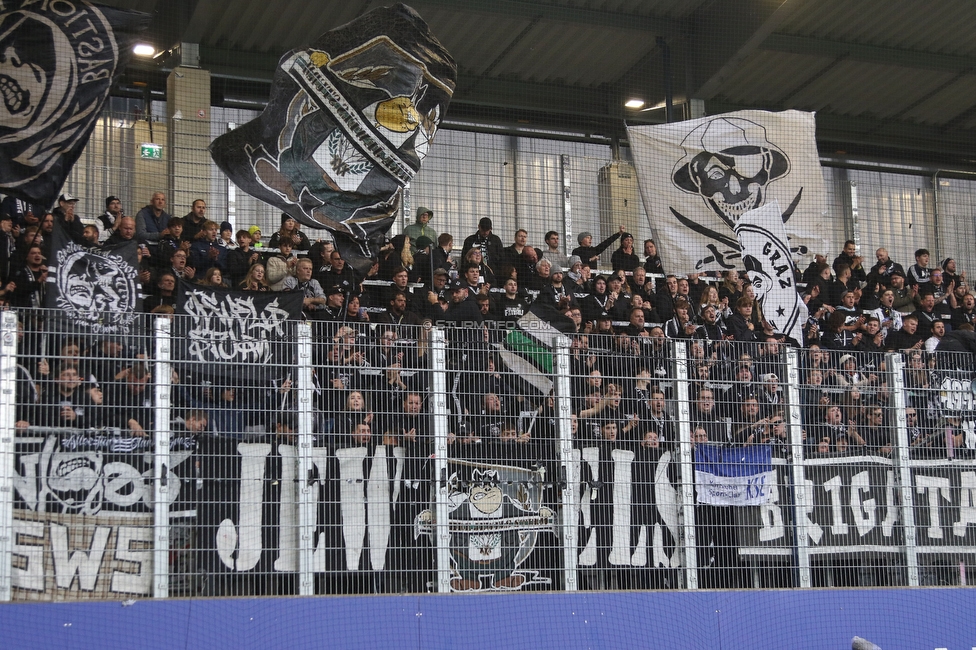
58,61
348,124
743,191
94,290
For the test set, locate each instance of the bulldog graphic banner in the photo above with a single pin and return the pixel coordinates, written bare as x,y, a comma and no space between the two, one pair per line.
348,124
699,179
58,61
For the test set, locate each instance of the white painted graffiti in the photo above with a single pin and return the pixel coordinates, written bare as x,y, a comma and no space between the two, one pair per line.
232,327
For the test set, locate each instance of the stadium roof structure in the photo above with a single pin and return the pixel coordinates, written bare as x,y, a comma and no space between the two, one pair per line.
894,79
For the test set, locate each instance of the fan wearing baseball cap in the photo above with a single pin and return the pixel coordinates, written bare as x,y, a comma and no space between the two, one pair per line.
70,222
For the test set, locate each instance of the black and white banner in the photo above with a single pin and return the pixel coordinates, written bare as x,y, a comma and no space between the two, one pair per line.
368,516
853,506
83,524
348,124
94,473
628,507
945,504
497,514
957,401
58,61
243,332
93,290
248,512
742,190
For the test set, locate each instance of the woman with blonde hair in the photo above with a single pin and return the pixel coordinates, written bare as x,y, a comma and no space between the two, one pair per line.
474,257
255,280
710,297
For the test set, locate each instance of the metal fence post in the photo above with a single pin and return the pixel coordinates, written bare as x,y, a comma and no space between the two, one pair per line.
568,523
8,392
306,494
855,216
162,416
801,498
567,188
442,531
896,369
687,494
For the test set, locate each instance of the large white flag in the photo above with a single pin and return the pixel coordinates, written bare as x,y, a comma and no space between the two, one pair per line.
699,178
741,190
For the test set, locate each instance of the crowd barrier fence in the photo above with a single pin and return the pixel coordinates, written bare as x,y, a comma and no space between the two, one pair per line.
372,458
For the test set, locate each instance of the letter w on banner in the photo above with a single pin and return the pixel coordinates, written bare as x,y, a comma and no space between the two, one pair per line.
734,476
741,190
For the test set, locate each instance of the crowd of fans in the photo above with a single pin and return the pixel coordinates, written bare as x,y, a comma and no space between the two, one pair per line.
370,349
619,322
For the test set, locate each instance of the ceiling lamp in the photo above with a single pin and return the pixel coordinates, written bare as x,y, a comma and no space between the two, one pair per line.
634,103
143,49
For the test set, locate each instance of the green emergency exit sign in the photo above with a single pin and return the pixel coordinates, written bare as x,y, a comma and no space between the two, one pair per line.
151,151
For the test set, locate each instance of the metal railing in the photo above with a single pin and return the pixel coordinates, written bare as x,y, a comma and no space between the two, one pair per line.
372,458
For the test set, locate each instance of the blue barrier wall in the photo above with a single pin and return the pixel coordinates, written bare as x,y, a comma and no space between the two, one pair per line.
815,619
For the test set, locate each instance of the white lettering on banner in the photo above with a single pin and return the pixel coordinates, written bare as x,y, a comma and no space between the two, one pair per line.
660,555
320,458
813,529
833,487
891,515
287,559
591,456
84,565
80,481
244,539
139,581
28,547
967,504
124,485
73,557
378,510
622,487
666,500
25,483
621,517
956,396
772,519
365,505
352,508
864,511
933,487
232,330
